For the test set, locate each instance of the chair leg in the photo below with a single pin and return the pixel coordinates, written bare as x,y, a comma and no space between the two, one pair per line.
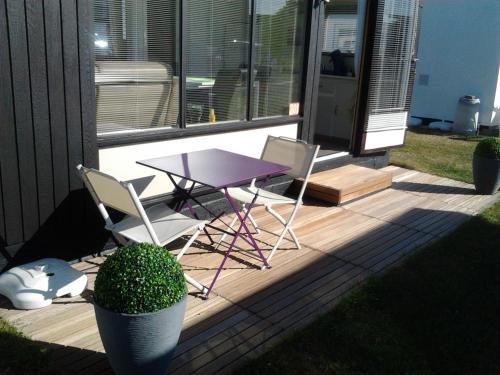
275,247
190,242
196,284
120,239
254,223
294,237
276,215
286,229
225,234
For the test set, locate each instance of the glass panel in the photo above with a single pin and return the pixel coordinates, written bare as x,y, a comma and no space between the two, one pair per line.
279,56
137,61
217,44
338,82
392,53
342,34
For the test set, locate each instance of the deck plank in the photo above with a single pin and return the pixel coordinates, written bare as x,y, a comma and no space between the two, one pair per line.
252,309
345,183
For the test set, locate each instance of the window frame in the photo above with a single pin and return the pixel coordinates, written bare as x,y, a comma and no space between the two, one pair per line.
183,130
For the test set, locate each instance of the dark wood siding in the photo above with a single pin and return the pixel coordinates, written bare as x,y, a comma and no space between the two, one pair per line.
40,108
47,127
16,15
57,106
11,197
2,221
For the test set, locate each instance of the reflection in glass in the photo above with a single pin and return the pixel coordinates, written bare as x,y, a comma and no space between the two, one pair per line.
217,50
137,61
338,83
340,38
136,68
279,56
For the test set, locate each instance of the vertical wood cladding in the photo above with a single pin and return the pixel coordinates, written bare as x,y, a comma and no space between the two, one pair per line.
47,126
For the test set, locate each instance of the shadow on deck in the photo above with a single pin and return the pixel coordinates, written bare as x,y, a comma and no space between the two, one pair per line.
251,310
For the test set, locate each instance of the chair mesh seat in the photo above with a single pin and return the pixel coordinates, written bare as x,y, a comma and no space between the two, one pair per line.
246,195
167,224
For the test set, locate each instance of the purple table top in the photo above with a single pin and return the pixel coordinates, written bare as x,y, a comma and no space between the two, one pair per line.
213,167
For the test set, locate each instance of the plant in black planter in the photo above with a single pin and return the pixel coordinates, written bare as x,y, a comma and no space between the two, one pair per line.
486,166
140,300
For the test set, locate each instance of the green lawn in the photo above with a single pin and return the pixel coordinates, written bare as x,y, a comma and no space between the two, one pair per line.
19,355
438,313
437,153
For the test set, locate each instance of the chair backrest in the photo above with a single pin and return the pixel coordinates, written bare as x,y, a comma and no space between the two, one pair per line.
111,192
130,94
227,89
296,154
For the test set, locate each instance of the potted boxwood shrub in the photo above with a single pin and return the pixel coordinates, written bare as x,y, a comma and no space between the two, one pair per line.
139,301
486,165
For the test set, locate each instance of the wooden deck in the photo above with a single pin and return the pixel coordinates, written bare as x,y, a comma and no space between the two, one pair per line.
250,310
343,184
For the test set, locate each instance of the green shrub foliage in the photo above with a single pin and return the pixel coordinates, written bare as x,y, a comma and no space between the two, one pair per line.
139,278
489,148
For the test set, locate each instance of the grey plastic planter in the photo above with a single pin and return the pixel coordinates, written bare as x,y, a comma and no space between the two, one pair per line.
140,343
486,174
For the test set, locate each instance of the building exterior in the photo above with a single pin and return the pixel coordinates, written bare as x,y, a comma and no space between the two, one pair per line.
109,82
458,54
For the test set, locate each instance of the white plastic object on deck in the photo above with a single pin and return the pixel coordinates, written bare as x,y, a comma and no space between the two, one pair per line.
34,285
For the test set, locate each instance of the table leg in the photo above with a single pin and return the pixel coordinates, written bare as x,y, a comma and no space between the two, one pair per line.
188,196
185,202
237,234
243,219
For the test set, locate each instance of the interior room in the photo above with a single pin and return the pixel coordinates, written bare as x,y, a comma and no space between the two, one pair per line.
339,79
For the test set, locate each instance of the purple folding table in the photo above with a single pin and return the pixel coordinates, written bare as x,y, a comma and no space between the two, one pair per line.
217,169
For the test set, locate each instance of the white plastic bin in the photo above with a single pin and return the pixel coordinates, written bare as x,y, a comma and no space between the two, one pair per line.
467,115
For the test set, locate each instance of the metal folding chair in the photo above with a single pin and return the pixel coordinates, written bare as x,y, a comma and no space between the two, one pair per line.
157,224
300,157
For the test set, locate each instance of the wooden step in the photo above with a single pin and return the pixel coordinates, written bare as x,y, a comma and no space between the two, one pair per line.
346,183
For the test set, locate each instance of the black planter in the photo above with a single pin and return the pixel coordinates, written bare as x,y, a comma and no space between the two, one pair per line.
486,174
140,343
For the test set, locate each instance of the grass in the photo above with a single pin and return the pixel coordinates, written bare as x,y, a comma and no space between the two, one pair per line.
437,153
19,355
438,313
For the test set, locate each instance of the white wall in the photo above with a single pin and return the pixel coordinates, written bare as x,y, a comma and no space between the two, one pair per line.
459,49
121,161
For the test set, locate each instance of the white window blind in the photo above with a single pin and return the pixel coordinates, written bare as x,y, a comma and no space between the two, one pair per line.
136,67
392,53
342,35
217,52
340,32
389,74
279,52
138,61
